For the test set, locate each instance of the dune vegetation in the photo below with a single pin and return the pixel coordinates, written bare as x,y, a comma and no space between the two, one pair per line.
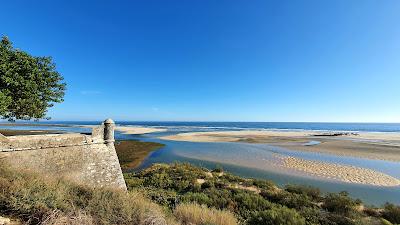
253,201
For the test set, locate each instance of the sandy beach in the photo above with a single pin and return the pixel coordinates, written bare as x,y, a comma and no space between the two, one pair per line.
131,129
137,130
372,145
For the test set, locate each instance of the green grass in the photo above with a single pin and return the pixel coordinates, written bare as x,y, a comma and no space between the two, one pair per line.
131,153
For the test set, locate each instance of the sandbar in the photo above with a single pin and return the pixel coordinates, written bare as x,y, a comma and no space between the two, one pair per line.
371,145
344,173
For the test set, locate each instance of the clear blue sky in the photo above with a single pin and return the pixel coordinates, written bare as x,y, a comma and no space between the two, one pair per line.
216,60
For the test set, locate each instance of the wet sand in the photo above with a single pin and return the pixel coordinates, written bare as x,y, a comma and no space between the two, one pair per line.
6,132
382,146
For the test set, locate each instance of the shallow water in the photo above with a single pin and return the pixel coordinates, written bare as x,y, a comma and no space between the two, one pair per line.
311,143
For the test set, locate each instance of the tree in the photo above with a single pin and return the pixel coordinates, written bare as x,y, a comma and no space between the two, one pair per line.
29,85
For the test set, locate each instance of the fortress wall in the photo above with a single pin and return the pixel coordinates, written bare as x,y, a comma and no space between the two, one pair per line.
88,159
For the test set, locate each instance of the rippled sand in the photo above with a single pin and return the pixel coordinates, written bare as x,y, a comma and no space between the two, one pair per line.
344,173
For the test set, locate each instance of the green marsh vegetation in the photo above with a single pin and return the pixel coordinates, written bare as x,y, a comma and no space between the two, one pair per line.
131,152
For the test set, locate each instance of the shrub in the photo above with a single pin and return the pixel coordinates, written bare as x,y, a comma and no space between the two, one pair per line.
312,192
276,216
335,219
190,213
251,202
199,198
207,184
341,204
392,213
291,200
372,212
312,215
218,169
167,198
265,184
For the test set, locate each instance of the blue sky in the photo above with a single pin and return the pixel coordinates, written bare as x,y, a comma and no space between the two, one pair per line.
217,60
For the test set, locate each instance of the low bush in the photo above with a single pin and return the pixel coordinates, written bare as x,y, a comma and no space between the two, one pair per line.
335,219
218,169
341,204
291,200
166,198
370,211
200,198
392,213
276,216
312,192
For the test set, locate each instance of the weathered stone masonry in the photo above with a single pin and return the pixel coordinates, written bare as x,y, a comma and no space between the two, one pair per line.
88,159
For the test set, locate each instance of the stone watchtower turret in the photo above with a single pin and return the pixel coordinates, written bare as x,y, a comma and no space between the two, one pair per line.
109,127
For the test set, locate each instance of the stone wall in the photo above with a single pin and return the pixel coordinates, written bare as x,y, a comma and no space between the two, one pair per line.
88,159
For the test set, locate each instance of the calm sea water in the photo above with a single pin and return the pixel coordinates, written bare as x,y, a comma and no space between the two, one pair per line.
256,160
190,126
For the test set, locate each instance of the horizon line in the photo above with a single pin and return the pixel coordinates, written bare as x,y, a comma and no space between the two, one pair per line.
193,121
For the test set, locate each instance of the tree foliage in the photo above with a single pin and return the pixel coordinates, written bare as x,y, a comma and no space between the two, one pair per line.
29,85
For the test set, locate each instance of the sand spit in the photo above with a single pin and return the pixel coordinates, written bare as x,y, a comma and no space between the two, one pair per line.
344,173
371,145
131,129
138,129
232,136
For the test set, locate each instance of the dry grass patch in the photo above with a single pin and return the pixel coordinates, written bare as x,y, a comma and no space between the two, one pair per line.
74,218
37,200
194,214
